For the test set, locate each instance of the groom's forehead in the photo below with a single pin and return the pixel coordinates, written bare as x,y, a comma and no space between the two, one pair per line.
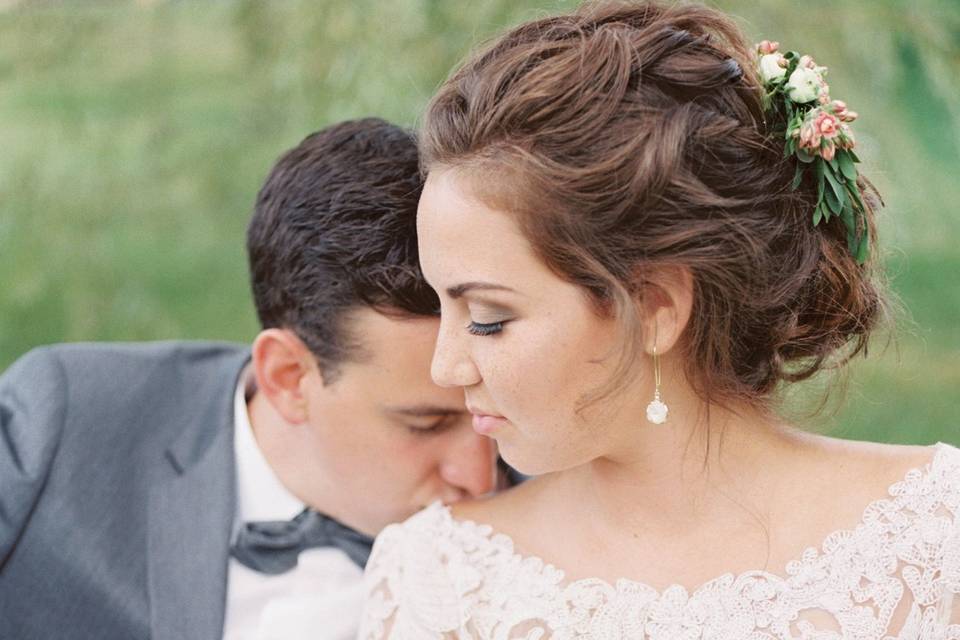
390,338
391,349
394,368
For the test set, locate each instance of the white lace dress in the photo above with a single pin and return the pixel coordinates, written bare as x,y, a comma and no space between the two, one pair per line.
895,576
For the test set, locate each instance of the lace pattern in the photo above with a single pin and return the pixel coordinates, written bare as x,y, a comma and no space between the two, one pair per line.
896,576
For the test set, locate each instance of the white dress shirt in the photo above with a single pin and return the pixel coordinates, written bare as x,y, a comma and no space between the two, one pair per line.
321,598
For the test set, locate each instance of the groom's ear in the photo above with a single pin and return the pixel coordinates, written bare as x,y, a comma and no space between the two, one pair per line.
665,303
282,364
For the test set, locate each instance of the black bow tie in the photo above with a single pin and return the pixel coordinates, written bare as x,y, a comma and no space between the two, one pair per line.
273,547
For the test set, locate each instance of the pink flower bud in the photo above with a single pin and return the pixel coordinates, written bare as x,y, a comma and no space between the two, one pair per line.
838,106
828,150
807,61
823,99
849,116
847,141
782,62
767,47
809,136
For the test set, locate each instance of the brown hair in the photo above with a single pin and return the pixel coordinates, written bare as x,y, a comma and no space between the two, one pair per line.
631,135
334,230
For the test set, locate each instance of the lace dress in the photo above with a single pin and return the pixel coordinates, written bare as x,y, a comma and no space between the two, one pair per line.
895,576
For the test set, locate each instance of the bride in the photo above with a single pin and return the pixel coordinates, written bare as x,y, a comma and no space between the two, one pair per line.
641,230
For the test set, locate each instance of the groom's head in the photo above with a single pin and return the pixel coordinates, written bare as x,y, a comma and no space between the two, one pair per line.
345,411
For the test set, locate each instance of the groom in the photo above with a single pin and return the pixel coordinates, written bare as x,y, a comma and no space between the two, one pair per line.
159,490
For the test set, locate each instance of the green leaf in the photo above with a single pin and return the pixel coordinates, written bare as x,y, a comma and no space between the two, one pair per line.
793,59
825,210
846,165
789,147
850,222
836,188
836,206
804,156
834,164
817,215
853,156
853,243
855,194
863,248
797,177
847,216
818,176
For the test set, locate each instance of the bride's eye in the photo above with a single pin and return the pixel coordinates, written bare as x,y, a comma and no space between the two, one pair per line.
488,329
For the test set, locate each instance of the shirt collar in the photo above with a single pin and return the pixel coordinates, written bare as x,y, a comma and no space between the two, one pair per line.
260,494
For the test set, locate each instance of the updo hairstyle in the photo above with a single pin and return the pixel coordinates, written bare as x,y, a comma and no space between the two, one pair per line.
626,136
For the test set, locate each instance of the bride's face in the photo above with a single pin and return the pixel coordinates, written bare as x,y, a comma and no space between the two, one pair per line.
525,345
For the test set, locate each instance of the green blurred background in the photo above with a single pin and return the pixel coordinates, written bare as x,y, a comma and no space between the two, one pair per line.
134,136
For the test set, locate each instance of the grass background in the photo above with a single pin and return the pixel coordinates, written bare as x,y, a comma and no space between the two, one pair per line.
133,138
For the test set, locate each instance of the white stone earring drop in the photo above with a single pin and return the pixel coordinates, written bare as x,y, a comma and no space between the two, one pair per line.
656,410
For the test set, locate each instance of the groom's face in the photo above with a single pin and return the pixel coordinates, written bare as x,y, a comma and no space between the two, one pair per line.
385,439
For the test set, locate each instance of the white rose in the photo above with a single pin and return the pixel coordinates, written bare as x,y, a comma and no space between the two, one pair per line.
770,68
804,85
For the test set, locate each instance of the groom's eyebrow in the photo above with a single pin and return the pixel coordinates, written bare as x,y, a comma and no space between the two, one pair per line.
460,289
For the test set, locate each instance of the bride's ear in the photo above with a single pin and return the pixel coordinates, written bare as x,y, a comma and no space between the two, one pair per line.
664,302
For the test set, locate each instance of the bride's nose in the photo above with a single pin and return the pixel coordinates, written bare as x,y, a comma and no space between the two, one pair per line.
452,365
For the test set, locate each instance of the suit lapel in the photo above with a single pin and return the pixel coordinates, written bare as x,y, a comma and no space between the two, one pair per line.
191,520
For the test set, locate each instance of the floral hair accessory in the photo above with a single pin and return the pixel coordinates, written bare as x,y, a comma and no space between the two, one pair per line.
818,133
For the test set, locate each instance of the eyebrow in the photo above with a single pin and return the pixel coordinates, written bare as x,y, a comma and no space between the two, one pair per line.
425,411
460,289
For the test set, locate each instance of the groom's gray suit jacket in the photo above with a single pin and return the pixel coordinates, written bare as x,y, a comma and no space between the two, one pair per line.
117,491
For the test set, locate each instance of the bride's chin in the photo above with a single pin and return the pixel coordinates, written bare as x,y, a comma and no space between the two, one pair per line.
527,461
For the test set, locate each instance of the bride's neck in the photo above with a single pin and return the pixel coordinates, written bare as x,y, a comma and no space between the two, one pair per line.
686,470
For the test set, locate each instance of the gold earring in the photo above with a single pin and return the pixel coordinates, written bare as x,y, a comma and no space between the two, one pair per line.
656,410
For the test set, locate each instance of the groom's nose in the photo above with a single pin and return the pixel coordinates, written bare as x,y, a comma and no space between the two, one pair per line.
469,468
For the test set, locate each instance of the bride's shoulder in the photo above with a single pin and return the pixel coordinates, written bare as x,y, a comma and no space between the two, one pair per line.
871,468
507,510
414,546
429,523
462,523
441,539
880,461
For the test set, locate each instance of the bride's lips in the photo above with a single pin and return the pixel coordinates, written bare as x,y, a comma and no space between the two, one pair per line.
485,423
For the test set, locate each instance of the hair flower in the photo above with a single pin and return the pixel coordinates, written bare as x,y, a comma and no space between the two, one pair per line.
772,66
817,133
804,85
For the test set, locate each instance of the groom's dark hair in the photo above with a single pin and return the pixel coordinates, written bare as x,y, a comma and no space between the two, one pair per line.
333,230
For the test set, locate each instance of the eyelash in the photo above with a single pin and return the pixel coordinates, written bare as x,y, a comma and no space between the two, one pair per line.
489,329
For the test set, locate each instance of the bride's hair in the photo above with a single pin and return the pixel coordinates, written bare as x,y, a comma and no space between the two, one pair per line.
630,135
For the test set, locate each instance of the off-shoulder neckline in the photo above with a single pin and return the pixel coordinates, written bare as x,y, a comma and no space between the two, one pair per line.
506,544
